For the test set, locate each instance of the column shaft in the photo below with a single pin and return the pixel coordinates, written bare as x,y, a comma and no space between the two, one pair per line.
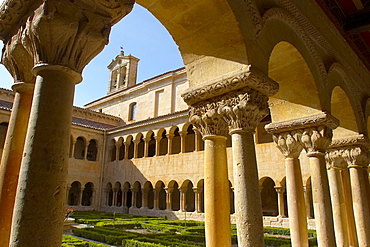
217,192
360,205
339,213
346,186
321,201
38,212
12,157
247,194
296,203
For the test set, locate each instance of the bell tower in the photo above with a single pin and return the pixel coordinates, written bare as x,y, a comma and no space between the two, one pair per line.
123,72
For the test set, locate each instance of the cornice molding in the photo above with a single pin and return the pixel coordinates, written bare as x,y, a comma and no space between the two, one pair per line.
356,140
320,119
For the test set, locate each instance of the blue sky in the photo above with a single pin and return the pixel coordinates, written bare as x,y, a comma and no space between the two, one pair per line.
141,35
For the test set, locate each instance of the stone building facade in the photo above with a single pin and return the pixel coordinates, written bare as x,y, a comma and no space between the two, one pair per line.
277,106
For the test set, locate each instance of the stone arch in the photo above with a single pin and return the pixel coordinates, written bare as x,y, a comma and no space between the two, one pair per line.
127,194
161,195
269,197
175,195
141,145
149,194
122,150
119,194
176,141
151,144
342,109
79,152
131,146
187,188
137,189
74,193
279,25
204,31
92,150
189,138
345,103
298,95
163,143
87,194
309,199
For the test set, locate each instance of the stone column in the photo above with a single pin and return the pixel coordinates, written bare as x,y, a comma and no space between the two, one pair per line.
145,198
196,199
307,198
12,155
357,158
216,106
169,138
286,139
216,183
73,148
335,164
19,63
183,138
281,206
316,137
157,145
127,145
81,196
146,147
198,139
183,199
156,199
168,198
136,148
242,110
118,147
134,196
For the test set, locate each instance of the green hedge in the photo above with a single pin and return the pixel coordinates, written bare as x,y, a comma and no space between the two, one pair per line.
69,241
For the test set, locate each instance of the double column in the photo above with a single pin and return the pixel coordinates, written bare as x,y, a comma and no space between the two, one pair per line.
60,42
217,107
314,134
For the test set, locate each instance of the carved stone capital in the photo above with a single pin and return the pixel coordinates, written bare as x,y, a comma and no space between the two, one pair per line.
67,33
279,189
243,109
316,130
334,159
17,60
206,118
288,143
246,77
315,140
356,156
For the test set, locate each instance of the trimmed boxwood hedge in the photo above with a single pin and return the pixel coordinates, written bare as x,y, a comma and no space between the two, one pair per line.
110,228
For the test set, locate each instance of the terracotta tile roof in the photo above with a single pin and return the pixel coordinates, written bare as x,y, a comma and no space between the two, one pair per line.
90,124
6,105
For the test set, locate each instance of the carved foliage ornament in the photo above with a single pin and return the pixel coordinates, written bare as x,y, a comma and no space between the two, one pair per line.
17,60
288,143
316,139
71,33
240,109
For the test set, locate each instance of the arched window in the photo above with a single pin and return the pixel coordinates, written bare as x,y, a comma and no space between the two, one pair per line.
92,151
74,193
79,152
87,194
132,111
151,146
190,139
269,198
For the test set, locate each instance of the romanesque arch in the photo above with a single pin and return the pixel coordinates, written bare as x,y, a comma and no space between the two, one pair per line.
269,197
79,152
87,194
74,193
